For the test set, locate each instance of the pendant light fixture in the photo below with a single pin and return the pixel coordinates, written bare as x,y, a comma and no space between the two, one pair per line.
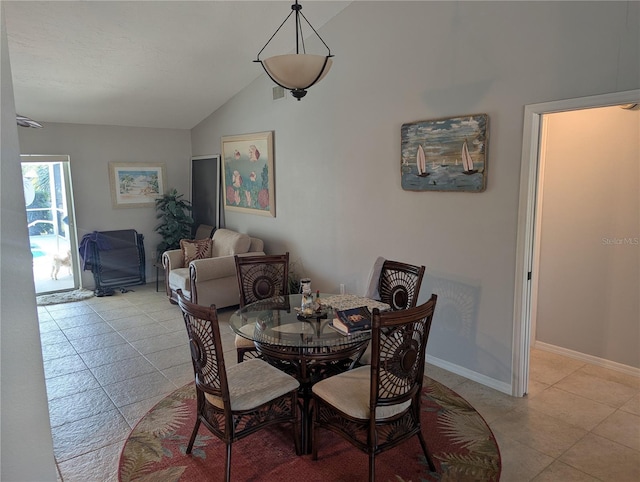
296,72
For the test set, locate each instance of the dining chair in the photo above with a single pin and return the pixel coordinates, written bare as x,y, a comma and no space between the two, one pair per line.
259,278
237,401
399,284
396,284
376,407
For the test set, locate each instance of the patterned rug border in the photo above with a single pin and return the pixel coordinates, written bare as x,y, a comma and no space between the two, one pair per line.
452,467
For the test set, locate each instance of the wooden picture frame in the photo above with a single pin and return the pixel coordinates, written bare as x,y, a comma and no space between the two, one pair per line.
136,184
248,178
447,154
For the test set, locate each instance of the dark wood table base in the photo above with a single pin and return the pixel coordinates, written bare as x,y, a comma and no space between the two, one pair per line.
310,365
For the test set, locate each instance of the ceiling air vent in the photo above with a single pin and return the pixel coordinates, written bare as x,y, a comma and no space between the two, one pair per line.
278,92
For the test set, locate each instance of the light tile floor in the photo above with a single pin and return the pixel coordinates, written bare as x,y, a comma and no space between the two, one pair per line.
108,360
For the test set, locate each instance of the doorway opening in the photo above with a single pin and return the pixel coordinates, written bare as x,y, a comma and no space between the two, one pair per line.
528,222
51,222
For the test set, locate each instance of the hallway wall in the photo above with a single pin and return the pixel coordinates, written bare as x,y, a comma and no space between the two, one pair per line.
589,273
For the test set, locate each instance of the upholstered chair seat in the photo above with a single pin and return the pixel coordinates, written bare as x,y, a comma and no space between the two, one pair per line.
254,383
243,343
349,392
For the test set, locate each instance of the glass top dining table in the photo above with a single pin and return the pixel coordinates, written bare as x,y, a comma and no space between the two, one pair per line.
306,347
278,322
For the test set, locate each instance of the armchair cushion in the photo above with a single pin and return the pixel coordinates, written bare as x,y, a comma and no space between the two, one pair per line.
195,249
227,242
179,280
213,268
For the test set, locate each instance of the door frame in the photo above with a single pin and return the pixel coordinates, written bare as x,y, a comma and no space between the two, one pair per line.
527,247
71,213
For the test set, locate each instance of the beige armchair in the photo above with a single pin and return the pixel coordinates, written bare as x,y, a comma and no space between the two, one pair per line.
210,280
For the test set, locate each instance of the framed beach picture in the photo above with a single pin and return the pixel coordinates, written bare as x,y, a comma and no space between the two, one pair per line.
136,184
448,154
247,173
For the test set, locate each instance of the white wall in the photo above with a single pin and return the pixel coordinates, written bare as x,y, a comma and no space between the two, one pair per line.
337,152
589,272
91,148
25,430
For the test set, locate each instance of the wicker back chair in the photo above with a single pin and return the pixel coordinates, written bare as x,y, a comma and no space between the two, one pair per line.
395,283
259,278
377,407
399,284
235,402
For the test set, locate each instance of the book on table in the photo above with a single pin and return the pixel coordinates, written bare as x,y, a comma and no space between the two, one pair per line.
352,320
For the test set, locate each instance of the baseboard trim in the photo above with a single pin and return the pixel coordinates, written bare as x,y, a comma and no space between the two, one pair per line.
470,374
592,360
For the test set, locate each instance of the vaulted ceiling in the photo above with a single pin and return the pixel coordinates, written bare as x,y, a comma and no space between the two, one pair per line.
162,64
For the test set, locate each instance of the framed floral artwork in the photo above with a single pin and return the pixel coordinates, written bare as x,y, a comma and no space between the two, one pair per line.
247,173
136,184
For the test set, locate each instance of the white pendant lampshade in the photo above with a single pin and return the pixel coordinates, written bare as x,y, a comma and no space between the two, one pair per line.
297,72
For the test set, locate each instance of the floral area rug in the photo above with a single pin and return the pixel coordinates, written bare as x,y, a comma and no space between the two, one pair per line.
461,444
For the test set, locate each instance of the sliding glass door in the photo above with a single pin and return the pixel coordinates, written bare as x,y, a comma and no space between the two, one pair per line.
51,222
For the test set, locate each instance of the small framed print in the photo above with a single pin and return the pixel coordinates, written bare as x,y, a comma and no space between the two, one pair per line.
136,184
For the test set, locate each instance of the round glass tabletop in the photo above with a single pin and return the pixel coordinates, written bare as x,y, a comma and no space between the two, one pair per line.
278,322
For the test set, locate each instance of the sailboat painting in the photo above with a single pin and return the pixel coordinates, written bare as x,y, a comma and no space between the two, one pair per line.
450,154
467,161
421,162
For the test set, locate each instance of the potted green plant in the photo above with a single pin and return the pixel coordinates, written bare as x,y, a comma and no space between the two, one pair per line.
175,220
295,273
